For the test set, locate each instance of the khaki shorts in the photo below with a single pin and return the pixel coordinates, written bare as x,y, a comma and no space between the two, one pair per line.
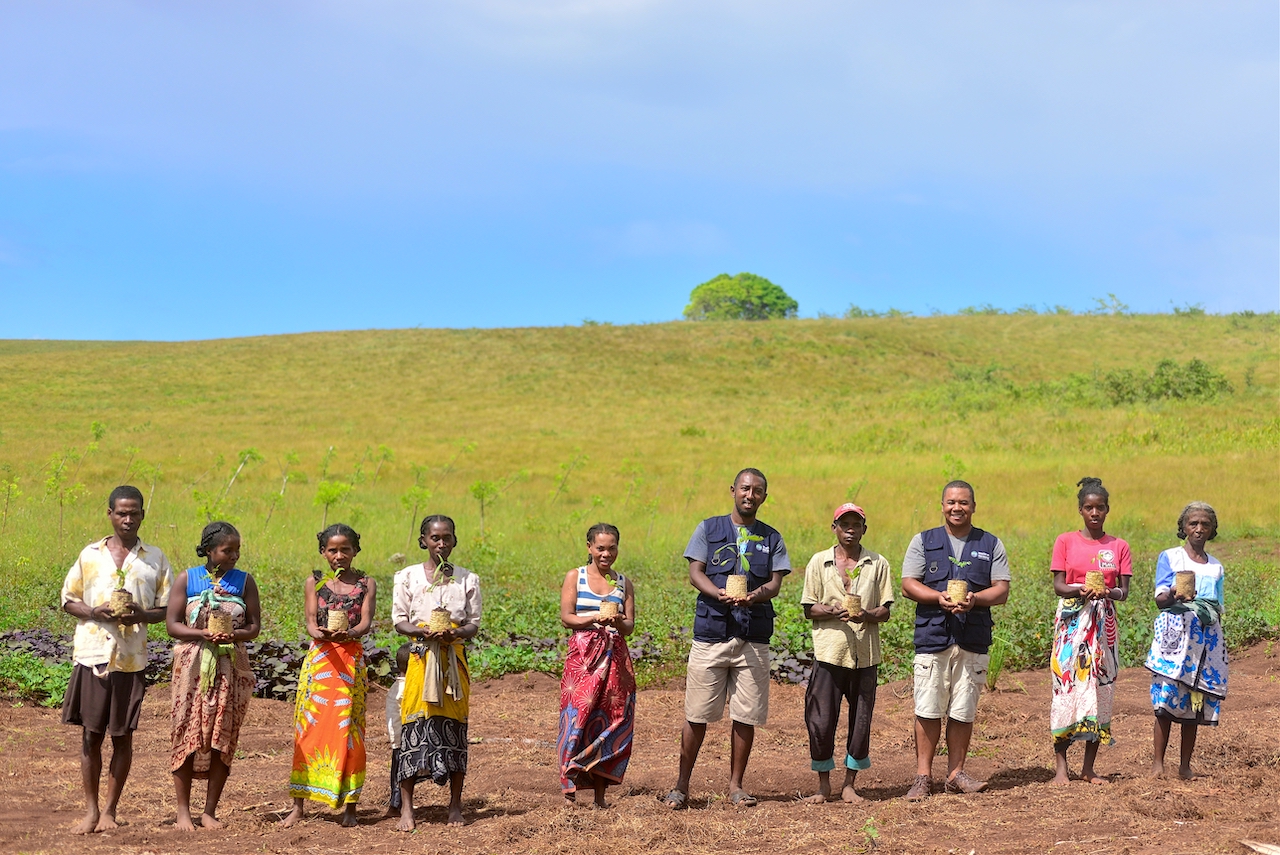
737,670
948,683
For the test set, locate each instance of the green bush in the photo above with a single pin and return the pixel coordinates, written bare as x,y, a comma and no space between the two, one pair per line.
1168,380
29,677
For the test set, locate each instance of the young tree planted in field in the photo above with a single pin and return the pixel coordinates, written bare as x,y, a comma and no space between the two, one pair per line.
745,297
566,469
415,497
9,488
249,455
151,474
290,459
328,494
385,455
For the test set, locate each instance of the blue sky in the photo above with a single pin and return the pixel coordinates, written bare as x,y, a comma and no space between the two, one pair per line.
186,170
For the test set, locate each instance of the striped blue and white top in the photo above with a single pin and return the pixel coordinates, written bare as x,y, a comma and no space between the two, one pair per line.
589,601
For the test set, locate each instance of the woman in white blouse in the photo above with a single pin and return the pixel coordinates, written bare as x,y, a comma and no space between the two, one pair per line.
437,686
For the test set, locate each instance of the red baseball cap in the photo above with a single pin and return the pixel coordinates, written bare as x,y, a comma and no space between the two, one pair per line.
849,508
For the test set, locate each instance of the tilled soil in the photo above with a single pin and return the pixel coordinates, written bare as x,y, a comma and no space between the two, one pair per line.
513,803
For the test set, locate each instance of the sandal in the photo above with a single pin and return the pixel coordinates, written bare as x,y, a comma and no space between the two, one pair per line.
743,799
676,800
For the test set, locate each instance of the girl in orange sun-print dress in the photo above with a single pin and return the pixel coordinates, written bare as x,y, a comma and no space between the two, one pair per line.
328,750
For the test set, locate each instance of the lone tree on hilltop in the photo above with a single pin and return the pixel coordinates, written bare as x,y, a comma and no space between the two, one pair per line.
745,297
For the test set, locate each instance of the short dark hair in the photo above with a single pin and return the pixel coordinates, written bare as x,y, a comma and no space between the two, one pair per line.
603,528
750,470
961,484
1091,487
1197,506
124,491
428,521
213,535
339,530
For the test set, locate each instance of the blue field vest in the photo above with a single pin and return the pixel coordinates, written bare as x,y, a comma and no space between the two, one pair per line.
936,630
715,621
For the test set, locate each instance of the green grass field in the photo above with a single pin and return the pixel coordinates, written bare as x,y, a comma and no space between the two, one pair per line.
644,426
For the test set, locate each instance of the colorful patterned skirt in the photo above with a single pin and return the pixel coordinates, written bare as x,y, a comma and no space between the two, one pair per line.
328,725
433,736
1084,665
1188,665
207,721
597,709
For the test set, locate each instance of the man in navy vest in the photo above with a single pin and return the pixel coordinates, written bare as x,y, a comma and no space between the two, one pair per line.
951,638
729,660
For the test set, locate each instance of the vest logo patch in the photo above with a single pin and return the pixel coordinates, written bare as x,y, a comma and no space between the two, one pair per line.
762,547
985,556
1106,559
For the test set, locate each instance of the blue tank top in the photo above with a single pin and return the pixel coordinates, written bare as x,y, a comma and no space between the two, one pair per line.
589,600
199,581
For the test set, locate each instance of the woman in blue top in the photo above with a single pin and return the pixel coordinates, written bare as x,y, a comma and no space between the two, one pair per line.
212,681
1188,658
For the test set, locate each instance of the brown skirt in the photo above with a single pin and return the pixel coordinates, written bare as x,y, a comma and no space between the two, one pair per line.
110,704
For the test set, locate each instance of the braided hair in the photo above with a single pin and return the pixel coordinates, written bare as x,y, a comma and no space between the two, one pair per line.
603,528
339,530
427,522
1092,487
213,535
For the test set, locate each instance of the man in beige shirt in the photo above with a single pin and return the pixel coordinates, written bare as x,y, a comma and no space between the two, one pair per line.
110,650
846,648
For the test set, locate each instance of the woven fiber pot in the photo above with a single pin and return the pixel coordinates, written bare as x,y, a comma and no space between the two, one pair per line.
1184,584
337,621
957,590
439,620
120,600
220,622
1095,582
736,586
852,604
608,609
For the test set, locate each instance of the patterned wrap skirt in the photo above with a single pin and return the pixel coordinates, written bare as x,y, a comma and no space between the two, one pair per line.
328,725
597,709
1188,665
1084,666
208,721
433,736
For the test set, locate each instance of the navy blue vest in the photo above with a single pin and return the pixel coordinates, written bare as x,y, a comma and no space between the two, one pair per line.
936,630
715,621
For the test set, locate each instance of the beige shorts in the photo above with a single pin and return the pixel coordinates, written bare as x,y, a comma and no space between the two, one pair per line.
737,670
948,683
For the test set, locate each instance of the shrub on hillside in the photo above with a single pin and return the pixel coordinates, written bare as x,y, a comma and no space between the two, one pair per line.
745,297
1168,380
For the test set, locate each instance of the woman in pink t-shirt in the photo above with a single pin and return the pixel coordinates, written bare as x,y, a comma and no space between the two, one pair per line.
1085,636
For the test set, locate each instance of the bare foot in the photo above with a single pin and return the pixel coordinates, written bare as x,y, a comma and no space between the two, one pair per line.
295,816
406,822
1157,770
183,823
107,822
1185,773
599,804
1060,780
86,825
207,821
850,797
349,817
1092,778
816,799
455,817
570,799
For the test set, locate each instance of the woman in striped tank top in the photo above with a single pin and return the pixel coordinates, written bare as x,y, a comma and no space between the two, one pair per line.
598,690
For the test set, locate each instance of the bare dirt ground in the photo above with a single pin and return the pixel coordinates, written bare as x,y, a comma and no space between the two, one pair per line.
513,802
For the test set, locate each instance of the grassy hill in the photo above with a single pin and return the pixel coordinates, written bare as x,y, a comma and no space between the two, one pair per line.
643,426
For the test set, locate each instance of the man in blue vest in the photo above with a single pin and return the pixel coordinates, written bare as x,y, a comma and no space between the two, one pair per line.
729,660
951,638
